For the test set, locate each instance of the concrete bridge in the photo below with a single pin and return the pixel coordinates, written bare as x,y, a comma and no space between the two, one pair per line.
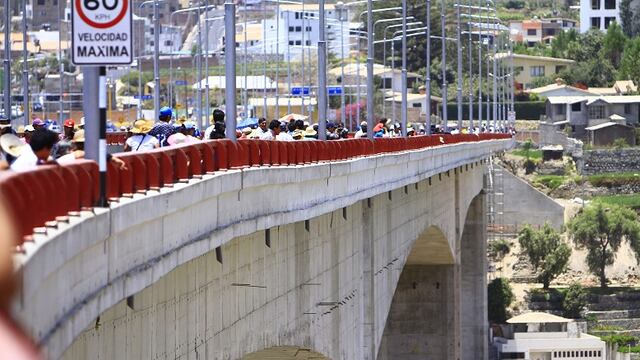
373,257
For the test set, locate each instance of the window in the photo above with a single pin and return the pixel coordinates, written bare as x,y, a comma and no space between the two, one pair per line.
298,42
610,4
297,15
627,108
599,353
308,42
416,105
577,107
536,71
151,43
608,20
168,43
596,112
307,29
560,68
532,32
595,4
40,2
291,28
595,22
291,42
298,28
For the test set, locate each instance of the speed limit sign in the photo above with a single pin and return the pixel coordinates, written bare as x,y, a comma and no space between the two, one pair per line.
101,32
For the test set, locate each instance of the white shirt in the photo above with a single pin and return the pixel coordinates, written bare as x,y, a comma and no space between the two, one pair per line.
27,160
142,142
67,159
360,134
208,131
284,136
268,135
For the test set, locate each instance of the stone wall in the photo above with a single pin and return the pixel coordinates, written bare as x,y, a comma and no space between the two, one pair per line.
609,161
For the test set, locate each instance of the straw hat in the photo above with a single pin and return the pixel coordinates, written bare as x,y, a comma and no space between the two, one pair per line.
78,136
141,126
310,132
11,144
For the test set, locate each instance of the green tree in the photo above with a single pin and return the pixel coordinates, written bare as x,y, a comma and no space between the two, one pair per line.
547,253
626,17
575,299
500,296
600,230
630,63
614,43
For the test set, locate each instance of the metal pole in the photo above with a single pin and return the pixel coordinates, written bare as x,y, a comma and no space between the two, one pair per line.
480,71
343,111
303,64
471,127
277,115
95,92
156,60
25,65
206,66
322,75
288,71
403,111
459,50
264,61
370,54
140,86
393,71
230,68
495,80
428,70
244,62
444,66
61,70
199,66
102,132
7,59
369,130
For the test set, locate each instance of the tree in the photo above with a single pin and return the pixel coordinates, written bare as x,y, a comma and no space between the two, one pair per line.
575,299
614,43
626,17
500,297
547,253
630,63
600,230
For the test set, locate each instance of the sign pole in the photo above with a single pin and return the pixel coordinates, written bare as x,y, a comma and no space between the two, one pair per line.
102,142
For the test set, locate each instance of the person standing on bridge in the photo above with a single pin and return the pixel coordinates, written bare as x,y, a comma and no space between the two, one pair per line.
272,132
141,139
218,117
163,129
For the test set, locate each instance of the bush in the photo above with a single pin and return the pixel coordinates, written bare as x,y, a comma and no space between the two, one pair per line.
619,339
550,181
613,179
620,143
530,110
500,297
575,299
514,4
499,248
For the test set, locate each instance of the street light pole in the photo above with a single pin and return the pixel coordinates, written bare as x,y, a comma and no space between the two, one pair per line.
428,70
7,59
230,67
480,72
403,110
25,65
206,65
322,76
370,122
459,51
471,127
445,119
156,59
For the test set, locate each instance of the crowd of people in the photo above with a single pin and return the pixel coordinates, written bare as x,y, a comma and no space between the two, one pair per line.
34,144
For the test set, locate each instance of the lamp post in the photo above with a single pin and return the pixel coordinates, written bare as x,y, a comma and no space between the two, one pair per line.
428,71
322,75
444,66
25,65
459,53
7,59
230,68
403,110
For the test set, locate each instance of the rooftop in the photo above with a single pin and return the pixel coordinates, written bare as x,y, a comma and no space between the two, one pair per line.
604,125
537,318
503,55
617,99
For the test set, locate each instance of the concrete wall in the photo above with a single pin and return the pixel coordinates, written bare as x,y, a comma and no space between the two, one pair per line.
519,195
85,268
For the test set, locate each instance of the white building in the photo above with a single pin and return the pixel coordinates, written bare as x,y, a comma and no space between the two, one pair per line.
299,30
542,336
170,38
598,14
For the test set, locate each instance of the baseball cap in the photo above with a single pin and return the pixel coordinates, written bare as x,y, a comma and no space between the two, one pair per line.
38,122
166,111
330,125
69,123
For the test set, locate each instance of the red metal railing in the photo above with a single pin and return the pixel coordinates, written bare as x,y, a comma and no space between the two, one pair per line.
52,193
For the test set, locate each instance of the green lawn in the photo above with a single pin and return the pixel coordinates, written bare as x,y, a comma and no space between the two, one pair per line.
632,200
613,179
550,181
533,154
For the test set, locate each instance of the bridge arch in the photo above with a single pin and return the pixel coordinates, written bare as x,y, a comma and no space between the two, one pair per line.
285,353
